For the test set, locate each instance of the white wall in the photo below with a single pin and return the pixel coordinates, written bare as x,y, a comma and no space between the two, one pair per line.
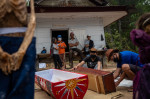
81,27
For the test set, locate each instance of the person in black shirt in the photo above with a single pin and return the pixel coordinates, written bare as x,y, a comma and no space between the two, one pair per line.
93,61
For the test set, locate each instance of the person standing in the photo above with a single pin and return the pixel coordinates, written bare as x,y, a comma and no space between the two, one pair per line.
56,57
141,38
88,44
62,46
73,43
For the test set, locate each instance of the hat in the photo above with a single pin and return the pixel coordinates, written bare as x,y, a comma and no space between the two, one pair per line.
93,50
59,36
88,35
110,52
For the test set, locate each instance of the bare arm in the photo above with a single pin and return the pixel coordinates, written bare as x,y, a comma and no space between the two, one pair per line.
18,56
116,73
5,59
57,48
62,45
12,62
79,65
86,45
30,31
98,65
76,44
120,79
71,45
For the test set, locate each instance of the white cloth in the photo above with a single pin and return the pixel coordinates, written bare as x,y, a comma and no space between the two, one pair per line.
125,82
12,30
54,50
42,65
86,43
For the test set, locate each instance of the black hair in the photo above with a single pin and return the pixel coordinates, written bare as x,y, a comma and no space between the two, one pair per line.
53,39
114,51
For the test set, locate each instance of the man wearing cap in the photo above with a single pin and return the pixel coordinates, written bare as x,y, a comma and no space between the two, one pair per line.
62,46
88,44
93,61
73,43
128,63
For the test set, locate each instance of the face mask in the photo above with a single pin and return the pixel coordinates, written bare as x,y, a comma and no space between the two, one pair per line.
115,59
59,39
93,56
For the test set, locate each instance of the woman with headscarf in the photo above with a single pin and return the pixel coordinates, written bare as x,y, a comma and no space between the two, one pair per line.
141,38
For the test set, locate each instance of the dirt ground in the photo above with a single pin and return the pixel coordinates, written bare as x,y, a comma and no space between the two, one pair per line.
108,67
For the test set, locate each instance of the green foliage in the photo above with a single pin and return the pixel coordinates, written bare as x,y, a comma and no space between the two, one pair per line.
116,41
120,39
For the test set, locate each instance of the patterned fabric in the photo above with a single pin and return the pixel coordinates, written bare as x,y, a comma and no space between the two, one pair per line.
141,87
19,84
142,40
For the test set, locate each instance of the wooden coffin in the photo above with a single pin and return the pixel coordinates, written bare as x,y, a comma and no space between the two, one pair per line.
62,84
99,81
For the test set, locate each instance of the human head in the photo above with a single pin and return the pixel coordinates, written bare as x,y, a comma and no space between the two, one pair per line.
93,51
72,35
59,37
88,37
144,23
112,54
43,47
54,40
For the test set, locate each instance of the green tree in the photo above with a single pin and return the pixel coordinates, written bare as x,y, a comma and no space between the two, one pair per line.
118,33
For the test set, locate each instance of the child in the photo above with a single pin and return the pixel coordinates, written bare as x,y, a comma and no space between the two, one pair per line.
141,38
62,47
57,60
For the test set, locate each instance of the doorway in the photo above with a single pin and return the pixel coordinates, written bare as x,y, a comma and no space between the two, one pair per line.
64,34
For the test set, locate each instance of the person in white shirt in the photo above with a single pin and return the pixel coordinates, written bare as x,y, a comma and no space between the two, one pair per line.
73,43
88,44
56,57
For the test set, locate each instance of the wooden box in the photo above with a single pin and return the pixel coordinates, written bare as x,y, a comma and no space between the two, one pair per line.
99,81
62,84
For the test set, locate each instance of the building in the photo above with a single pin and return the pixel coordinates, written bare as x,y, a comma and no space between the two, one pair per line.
82,17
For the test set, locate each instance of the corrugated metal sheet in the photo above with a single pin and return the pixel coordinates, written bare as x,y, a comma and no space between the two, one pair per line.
65,3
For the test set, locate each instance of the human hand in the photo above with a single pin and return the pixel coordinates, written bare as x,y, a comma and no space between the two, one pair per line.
86,45
74,68
117,83
5,64
17,60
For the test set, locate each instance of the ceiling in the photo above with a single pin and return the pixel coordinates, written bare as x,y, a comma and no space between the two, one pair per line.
108,17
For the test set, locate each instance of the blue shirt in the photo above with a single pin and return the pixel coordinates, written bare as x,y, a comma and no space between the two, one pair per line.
129,57
43,51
